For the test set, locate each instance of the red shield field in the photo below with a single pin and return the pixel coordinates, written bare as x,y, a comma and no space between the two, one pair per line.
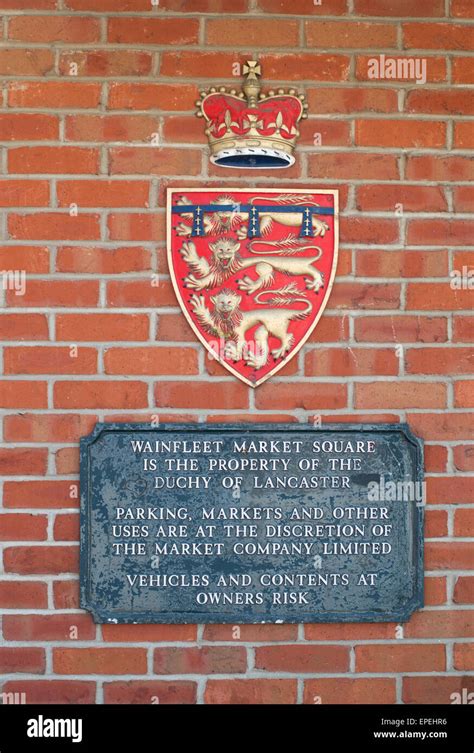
252,271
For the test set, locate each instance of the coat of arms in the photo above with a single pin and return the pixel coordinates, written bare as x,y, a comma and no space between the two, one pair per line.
252,271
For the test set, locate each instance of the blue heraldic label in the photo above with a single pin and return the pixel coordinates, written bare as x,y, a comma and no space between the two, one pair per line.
251,523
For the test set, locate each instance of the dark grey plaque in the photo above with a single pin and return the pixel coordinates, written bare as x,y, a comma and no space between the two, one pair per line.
251,523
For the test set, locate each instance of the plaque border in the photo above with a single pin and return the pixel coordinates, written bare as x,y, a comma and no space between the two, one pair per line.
107,616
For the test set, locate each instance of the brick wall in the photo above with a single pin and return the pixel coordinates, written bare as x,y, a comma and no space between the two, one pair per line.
96,121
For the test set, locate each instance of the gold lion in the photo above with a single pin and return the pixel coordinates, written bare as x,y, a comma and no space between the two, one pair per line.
226,261
230,323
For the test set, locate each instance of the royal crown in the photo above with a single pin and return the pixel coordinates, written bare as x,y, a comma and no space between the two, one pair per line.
251,129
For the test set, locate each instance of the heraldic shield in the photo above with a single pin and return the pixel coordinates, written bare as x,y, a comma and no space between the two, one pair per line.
252,271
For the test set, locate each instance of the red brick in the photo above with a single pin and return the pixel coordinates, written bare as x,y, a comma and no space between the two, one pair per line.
448,489
400,329
67,460
360,295
464,590
439,360
92,260
28,127
53,159
432,36
30,427
53,94
18,394
464,523
400,133
173,327
110,661
48,627
66,527
351,362
435,689
353,166
151,360
349,691
34,259
152,96
436,295
395,658
23,594
66,594
247,32
50,360
54,226
153,31
450,101
440,232
436,524
136,293
399,395
251,691
464,195
462,9
402,263
436,458
442,426
331,329
435,590
316,67
463,456
462,70
32,560
23,527
154,160
100,394
191,395
125,128
47,493
307,396
331,7
103,193
448,556
183,128
369,230
23,327
53,691
208,660
24,62
464,394
300,659
446,168
150,691
351,101
33,4
463,329
411,198
31,660
65,293
105,63
50,29
349,34
440,623
149,633
135,227
23,461
399,8
102,327
252,633
350,631
464,656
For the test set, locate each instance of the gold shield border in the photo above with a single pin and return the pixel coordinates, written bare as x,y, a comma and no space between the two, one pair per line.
218,191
